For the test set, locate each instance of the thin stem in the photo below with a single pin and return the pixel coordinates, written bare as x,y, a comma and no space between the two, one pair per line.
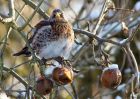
101,17
13,73
11,14
40,11
135,64
74,90
14,67
69,92
36,9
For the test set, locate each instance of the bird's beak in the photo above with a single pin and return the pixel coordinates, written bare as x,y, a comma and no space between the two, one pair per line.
58,15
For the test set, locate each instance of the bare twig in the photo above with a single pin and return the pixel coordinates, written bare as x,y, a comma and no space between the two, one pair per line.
101,17
14,67
11,16
135,64
69,92
90,35
13,73
36,9
40,11
74,91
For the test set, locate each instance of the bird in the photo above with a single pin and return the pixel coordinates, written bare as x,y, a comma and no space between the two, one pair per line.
52,37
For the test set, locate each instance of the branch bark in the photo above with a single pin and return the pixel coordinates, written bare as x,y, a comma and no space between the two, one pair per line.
11,16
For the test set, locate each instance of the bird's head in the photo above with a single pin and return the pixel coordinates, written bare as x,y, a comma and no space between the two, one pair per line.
57,14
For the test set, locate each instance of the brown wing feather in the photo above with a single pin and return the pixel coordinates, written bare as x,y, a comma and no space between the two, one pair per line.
37,27
25,51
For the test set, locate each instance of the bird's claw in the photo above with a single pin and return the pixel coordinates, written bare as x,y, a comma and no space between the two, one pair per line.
43,60
62,61
59,59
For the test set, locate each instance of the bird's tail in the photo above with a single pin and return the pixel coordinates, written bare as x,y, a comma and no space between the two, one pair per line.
24,51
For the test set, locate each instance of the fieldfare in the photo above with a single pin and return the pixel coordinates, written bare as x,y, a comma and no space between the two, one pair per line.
51,38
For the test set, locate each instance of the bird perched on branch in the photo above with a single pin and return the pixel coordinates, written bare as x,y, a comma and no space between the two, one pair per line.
51,38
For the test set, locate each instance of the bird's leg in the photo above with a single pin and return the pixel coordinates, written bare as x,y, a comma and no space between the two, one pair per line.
43,64
59,59
68,63
64,62
44,61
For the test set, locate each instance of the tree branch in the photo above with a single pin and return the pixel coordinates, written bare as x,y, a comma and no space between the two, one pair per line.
13,73
11,14
40,11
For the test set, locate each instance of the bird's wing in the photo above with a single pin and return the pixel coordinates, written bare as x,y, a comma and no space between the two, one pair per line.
42,35
37,27
25,50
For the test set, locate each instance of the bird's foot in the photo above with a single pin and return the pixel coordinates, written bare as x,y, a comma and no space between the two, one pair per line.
62,61
65,62
59,59
43,60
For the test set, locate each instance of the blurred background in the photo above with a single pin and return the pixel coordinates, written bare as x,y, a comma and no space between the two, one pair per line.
83,14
